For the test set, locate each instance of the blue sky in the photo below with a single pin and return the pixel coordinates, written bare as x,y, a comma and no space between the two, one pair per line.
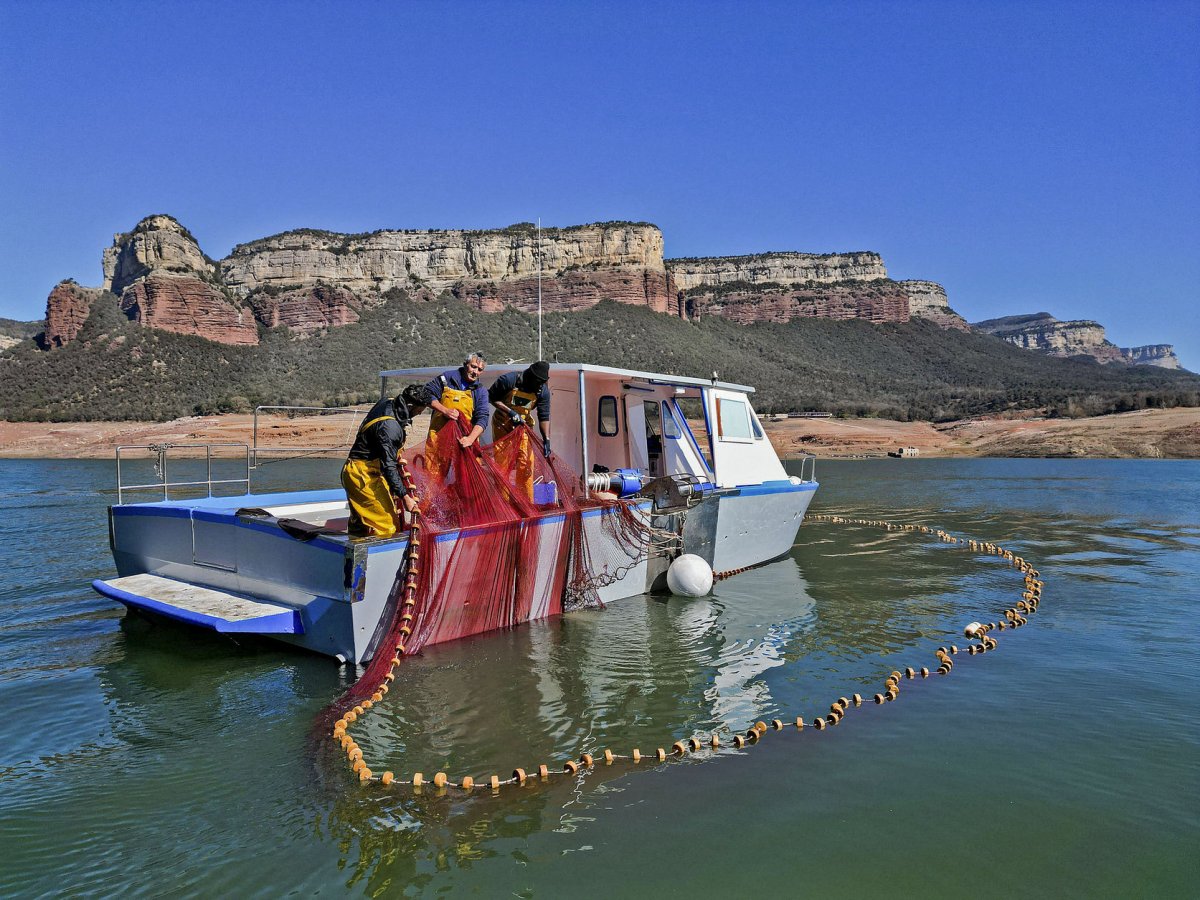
1027,156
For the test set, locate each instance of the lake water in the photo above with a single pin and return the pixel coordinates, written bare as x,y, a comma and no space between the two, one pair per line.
145,760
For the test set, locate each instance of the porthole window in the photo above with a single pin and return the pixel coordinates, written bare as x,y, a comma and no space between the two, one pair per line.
607,419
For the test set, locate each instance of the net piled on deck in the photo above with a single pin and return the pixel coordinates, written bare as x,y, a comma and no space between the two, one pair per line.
504,541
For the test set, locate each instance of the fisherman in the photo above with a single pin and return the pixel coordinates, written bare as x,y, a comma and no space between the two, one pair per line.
455,393
516,396
370,476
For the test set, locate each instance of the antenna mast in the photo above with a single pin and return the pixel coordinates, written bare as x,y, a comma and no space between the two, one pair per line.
539,255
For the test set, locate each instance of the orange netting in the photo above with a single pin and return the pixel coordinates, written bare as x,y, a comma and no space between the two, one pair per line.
507,536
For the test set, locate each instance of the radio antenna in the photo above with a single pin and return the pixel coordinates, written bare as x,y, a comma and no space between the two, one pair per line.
539,257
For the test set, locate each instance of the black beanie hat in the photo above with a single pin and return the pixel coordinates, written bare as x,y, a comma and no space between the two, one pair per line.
539,371
414,396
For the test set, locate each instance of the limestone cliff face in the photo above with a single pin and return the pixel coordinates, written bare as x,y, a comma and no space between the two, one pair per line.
164,281
1161,355
311,280
778,287
157,243
67,308
1046,334
776,268
927,300
490,268
884,302
187,305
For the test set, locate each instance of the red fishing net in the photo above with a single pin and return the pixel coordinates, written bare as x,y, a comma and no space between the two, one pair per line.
507,536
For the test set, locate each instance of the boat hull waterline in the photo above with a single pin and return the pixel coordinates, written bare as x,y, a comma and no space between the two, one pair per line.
201,563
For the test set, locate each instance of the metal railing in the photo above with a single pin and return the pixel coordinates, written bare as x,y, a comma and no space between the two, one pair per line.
807,461
163,482
300,451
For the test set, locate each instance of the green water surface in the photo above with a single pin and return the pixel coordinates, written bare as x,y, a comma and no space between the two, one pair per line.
143,759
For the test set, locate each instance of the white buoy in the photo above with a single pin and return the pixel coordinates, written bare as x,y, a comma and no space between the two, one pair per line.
972,629
690,576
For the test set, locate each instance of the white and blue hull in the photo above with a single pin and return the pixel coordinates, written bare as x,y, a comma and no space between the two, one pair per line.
329,593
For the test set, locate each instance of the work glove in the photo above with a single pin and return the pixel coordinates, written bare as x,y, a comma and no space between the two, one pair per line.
546,447
515,418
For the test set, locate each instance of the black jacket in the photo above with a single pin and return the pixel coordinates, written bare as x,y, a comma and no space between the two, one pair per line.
382,441
505,383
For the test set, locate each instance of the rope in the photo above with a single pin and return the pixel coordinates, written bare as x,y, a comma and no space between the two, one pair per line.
349,716
1013,617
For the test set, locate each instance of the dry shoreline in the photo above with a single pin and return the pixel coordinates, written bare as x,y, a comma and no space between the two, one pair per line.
1148,434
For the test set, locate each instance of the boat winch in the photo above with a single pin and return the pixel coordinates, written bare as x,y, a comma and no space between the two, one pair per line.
621,482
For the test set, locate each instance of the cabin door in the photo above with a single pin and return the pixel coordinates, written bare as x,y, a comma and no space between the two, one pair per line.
635,433
653,432
742,455
564,427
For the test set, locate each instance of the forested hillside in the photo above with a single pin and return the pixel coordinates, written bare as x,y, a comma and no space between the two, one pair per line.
119,370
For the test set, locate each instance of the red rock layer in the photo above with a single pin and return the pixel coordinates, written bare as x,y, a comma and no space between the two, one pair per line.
307,310
67,309
573,290
188,305
951,320
745,307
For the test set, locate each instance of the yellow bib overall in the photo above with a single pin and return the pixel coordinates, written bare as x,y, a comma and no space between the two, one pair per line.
437,461
518,451
373,513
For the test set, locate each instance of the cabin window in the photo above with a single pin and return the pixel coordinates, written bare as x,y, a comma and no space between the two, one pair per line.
670,426
733,420
607,419
758,432
691,410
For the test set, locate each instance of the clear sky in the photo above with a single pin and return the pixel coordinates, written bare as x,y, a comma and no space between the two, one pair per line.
1028,156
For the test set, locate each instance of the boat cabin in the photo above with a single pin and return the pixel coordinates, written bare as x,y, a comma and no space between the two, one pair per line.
604,419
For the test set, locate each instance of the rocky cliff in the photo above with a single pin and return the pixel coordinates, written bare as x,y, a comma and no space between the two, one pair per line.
157,243
307,310
1046,334
161,279
775,287
492,269
187,305
776,268
309,281
1161,355
881,301
67,308
927,300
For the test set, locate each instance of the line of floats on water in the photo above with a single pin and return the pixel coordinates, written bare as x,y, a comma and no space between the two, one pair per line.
1013,617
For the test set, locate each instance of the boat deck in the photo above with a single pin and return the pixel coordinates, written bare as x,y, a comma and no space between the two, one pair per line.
218,610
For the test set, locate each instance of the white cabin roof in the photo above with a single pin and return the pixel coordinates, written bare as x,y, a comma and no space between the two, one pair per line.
428,372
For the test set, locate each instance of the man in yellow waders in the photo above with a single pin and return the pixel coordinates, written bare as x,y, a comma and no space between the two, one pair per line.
455,393
516,396
371,476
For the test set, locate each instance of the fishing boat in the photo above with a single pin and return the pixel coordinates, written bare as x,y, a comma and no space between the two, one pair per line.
688,455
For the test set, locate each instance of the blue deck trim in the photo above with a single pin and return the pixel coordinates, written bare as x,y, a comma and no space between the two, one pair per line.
141,509
232,504
223,518
774,487
283,622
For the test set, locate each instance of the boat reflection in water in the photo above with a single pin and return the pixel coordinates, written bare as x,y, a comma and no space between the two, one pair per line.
642,673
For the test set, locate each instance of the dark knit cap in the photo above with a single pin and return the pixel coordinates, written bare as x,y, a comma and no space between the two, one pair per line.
539,371
415,395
